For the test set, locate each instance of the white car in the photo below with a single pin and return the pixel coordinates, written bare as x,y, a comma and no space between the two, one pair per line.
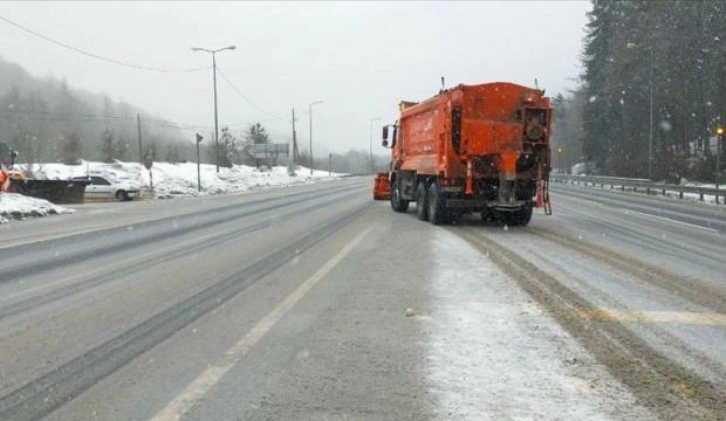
103,188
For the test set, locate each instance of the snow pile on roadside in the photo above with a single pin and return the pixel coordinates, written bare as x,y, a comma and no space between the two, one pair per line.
17,206
178,180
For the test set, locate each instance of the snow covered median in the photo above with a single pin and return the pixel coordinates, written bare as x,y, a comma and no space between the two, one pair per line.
180,180
18,207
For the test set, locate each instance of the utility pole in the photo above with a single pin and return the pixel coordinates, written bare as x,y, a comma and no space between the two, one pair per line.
310,111
214,80
370,145
294,140
330,160
141,150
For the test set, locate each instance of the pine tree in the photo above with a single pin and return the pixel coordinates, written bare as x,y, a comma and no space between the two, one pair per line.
122,148
172,154
72,148
108,146
256,134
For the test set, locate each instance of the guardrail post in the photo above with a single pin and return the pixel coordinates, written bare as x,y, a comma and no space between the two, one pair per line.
680,194
700,194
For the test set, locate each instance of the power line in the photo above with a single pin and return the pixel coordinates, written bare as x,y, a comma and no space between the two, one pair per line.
249,101
96,56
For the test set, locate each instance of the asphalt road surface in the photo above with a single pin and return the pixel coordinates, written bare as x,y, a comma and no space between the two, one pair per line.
315,302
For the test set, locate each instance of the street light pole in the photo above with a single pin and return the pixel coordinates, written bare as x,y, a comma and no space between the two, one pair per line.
310,112
650,126
199,171
214,79
719,137
216,116
370,145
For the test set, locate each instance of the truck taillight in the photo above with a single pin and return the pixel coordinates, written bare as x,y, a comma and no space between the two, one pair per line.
534,131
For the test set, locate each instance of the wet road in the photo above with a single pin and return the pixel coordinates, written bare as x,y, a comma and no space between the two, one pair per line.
314,302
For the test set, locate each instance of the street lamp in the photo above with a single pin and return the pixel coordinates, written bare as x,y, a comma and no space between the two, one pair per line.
370,145
559,160
719,137
310,111
214,76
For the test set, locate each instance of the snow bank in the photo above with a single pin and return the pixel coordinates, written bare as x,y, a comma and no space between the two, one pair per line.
17,206
178,180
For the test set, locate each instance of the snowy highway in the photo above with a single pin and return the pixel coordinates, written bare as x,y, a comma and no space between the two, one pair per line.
315,302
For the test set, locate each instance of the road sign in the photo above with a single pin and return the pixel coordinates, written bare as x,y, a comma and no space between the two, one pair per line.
148,163
270,150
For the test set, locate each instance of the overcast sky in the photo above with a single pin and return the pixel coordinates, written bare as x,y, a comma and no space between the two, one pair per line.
361,59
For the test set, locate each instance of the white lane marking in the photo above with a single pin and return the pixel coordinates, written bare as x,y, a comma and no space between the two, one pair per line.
666,219
50,237
212,375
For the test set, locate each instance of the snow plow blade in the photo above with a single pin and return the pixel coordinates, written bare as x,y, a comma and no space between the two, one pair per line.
382,187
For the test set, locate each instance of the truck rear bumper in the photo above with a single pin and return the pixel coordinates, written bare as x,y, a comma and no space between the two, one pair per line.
466,203
482,204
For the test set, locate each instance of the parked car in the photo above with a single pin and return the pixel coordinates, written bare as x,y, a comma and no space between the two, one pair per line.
102,187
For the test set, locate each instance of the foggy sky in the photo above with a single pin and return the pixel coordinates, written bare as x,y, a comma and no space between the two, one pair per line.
361,59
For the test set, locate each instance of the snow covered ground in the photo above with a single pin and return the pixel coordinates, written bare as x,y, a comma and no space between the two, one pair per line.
178,180
16,206
169,180
494,354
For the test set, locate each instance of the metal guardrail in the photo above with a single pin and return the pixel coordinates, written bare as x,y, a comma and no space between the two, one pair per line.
639,184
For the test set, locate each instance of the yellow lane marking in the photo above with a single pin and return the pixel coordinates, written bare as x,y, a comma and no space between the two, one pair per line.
675,317
212,375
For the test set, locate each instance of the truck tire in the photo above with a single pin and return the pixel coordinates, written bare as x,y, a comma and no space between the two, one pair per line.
525,215
487,216
421,203
518,218
397,203
437,213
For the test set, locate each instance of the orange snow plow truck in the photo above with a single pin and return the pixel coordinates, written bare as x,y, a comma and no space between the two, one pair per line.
471,149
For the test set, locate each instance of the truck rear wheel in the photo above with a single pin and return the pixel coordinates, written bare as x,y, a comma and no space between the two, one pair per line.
421,206
518,218
525,215
437,213
397,203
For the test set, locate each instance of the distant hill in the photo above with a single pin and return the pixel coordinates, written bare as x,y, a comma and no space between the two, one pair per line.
45,120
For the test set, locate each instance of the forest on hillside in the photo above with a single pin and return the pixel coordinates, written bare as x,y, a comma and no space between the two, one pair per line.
45,120
638,56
